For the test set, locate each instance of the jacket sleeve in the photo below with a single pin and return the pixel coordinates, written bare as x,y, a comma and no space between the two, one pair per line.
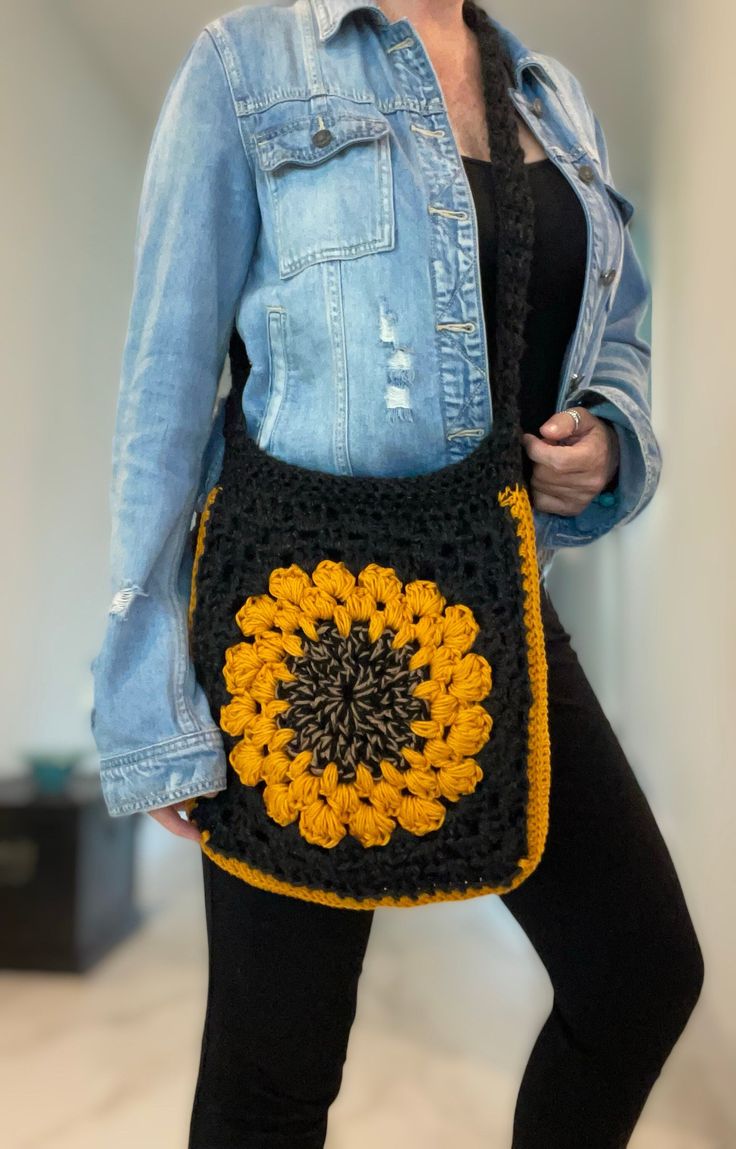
618,390
197,225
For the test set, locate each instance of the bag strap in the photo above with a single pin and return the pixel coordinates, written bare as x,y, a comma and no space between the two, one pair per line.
239,371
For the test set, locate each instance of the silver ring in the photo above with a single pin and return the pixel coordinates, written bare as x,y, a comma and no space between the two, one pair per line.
575,414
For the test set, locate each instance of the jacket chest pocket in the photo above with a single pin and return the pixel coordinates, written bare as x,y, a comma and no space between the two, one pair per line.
330,187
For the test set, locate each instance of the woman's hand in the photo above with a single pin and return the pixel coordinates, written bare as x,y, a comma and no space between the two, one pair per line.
168,817
571,465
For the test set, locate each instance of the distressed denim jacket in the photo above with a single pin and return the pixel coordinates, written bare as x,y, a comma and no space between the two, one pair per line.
305,184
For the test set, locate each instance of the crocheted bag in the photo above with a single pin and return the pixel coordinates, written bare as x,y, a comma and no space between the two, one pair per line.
373,647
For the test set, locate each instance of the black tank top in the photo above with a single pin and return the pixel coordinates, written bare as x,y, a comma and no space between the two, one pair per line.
556,283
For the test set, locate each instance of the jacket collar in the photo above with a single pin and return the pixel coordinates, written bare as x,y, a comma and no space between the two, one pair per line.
330,14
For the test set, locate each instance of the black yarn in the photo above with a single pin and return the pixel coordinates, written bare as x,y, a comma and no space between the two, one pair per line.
444,525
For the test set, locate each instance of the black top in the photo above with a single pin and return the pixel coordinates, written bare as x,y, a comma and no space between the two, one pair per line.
556,282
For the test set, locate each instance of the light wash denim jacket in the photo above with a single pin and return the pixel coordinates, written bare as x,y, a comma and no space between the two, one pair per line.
304,183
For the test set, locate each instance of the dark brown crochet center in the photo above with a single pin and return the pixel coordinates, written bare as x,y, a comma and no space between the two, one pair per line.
352,700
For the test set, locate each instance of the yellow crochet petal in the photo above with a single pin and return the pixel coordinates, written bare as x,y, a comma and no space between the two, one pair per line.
471,678
281,737
438,753
381,582
343,621
317,603
279,804
286,616
330,779
430,688
420,815
443,663
236,715
429,630
424,597
470,731
376,625
262,730
423,783
392,775
269,646
386,797
426,728
289,583
360,605
459,626
263,687
459,778
319,824
334,578
396,612
444,708
308,625
276,767
293,645
414,757
344,801
241,666
404,634
281,671
300,763
364,781
275,707
305,790
370,826
421,657
247,762
256,614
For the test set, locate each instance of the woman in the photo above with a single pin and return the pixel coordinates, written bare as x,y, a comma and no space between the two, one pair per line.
309,164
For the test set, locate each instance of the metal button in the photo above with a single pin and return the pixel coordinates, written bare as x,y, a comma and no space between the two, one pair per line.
586,173
608,276
537,107
322,137
576,378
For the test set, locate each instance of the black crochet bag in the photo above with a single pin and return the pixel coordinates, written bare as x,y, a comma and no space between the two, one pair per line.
372,648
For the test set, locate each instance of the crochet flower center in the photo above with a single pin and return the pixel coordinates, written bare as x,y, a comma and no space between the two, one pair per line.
352,701
357,702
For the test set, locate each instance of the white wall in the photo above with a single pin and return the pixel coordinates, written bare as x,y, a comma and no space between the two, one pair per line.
67,214
678,612
651,607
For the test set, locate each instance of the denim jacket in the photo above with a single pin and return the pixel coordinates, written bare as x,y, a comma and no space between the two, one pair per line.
304,183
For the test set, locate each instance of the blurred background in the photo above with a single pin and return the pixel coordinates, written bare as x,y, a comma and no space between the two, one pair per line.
106,1026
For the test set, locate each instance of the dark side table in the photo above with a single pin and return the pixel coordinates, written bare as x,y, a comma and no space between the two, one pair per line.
67,874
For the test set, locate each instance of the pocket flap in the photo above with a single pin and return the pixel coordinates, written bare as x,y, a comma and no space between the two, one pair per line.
294,142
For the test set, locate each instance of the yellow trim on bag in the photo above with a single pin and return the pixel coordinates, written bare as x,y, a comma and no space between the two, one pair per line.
516,499
199,549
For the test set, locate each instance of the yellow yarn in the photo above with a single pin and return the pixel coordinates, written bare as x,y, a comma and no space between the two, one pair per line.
199,549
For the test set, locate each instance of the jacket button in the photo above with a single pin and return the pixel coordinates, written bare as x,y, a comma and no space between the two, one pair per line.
586,173
576,378
537,107
608,276
322,137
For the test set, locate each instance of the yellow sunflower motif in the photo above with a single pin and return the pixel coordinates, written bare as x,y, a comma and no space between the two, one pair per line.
357,702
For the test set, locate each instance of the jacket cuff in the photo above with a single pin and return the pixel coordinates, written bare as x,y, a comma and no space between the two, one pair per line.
170,771
638,474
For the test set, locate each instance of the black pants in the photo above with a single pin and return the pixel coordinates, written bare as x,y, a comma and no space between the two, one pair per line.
604,910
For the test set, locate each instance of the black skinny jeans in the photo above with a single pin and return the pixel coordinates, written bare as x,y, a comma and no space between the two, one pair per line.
604,910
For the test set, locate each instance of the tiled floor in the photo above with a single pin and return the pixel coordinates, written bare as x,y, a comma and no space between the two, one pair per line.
451,999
